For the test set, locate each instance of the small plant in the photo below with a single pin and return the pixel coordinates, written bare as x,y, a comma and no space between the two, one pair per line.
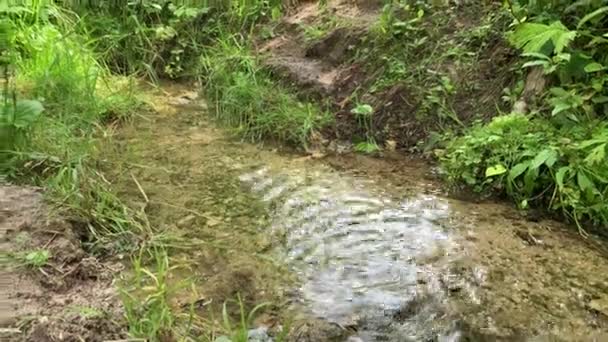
146,298
37,258
86,311
363,113
369,146
239,332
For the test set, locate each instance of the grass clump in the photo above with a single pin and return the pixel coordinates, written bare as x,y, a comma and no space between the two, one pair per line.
246,97
146,298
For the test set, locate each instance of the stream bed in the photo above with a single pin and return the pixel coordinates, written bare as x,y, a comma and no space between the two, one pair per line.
393,259
361,248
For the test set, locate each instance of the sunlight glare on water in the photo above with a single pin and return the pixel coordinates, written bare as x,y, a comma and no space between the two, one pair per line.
354,248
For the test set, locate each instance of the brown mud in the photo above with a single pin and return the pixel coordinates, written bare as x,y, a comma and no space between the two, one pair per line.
72,296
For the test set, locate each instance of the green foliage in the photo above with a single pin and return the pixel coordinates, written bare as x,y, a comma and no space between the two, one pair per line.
146,299
55,148
531,37
556,157
37,259
531,162
400,17
369,146
245,97
239,332
161,38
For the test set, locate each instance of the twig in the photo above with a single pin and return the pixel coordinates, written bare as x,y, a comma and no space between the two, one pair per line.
49,242
182,208
9,331
71,271
143,193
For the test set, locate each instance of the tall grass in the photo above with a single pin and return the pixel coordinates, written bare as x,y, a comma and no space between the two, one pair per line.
245,96
53,65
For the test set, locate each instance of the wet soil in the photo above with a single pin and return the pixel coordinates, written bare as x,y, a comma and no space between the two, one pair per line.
71,297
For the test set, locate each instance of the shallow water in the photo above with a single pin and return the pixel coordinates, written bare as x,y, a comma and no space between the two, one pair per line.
354,250
403,263
377,248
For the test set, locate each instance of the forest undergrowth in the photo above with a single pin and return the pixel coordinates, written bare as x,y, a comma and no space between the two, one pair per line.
71,71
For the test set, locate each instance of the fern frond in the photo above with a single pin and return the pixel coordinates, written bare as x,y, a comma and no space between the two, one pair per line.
532,37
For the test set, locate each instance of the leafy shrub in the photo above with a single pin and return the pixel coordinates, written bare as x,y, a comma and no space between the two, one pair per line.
533,162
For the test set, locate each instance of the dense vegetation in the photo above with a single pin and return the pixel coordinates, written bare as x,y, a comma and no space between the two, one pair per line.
553,153
68,72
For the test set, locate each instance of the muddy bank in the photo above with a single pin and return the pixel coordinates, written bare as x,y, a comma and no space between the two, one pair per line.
70,296
419,74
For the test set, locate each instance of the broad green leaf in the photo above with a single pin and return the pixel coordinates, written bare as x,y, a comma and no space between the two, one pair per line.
530,180
531,37
534,63
363,110
583,181
597,155
541,158
26,112
537,55
495,170
590,142
559,176
593,67
595,14
560,92
599,99
560,107
551,159
518,169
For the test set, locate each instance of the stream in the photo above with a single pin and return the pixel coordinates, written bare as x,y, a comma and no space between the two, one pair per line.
377,248
405,263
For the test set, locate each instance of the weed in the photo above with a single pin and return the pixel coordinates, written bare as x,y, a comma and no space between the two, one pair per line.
246,98
320,29
369,146
364,115
146,298
240,331
86,311
36,259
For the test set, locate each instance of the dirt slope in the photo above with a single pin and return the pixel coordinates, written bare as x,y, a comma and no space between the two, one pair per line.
71,297
332,54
